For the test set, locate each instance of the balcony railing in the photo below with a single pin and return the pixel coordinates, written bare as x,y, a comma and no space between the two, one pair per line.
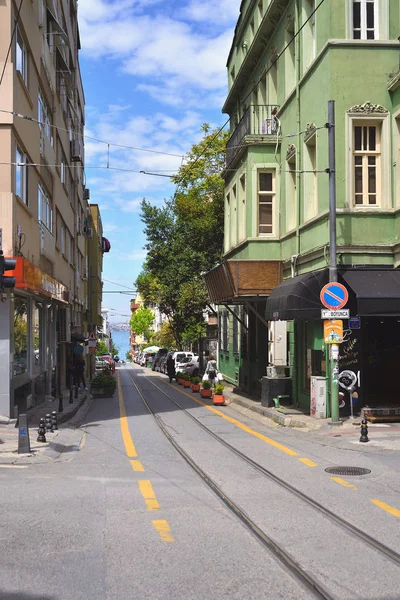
259,120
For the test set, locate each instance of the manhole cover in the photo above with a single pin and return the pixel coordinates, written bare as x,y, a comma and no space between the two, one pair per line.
347,471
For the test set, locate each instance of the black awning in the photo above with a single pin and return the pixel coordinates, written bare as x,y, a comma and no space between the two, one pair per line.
377,292
297,298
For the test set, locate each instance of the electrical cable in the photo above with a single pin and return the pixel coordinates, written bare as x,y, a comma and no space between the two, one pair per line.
11,42
19,164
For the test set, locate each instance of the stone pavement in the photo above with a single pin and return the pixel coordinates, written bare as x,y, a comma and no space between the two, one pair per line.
56,443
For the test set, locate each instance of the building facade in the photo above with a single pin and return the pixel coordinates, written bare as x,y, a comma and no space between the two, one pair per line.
43,201
287,60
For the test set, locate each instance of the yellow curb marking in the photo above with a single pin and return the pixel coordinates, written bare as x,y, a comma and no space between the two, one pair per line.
344,483
308,462
148,494
163,529
126,436
260,436
390,509
13,466
137,465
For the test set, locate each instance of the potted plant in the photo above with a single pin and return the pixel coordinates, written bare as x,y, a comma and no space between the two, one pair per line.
196,384
206,391
218,397
186,381
179,377
103,385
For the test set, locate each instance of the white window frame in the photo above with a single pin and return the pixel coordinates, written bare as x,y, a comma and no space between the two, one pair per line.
381,25
363,29
310,181
44,118
21,159
291,186
21,56
266,193
384,198
45,209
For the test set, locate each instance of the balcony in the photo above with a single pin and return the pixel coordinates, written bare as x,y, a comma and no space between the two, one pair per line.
259,121
47,243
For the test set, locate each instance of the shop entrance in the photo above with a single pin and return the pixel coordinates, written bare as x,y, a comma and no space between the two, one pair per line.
381,361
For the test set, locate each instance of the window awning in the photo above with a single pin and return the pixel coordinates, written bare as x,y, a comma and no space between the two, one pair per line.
371,292
58,29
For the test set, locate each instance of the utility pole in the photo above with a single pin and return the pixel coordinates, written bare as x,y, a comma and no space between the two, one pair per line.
333,348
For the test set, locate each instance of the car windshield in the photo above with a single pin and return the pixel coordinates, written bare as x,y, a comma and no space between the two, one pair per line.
180,357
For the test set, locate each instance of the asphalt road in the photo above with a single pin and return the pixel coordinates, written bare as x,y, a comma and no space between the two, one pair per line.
125,516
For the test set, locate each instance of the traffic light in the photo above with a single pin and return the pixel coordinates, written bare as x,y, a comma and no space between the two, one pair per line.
6,264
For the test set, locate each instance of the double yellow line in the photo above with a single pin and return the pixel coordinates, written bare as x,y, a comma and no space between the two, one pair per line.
145,487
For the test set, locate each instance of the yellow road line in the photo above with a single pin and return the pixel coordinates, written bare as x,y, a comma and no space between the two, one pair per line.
137,465
308,462
148,494
244,427
344,483
390,509
126,436
164,530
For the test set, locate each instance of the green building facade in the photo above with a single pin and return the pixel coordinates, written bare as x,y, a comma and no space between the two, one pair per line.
287,60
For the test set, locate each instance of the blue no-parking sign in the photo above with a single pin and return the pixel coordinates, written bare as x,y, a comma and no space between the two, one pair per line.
334,295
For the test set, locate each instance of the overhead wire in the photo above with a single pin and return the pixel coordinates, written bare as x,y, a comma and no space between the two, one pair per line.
106,167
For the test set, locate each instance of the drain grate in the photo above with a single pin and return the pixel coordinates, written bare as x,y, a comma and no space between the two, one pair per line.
347,471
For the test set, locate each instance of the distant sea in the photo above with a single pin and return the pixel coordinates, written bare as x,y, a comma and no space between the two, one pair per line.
121,341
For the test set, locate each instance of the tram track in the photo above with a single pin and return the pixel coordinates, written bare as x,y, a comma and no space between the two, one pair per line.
288,561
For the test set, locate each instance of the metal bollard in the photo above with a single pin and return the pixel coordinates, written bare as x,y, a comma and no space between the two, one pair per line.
49,425
41,432
60,403
71,395
54,420
364,431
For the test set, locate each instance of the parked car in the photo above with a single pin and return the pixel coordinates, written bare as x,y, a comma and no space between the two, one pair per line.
192,367
162,363
101,364
161,352
182,359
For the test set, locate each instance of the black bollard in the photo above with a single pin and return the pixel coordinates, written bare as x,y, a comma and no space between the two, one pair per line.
54,420
71,396
49,424
60,403
41,432
364,431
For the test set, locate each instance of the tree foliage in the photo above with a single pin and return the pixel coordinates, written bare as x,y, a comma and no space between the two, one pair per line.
185,238
142,321
164,338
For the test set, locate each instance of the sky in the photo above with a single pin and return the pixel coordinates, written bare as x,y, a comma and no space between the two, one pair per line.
153,72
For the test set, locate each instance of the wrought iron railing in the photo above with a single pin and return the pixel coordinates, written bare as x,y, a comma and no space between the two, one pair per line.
258,119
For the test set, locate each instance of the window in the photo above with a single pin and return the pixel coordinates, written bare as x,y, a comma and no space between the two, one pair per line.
225,333
309,38
290,59
310,179
20,335
365,20
44,121
291,192
45,210
227,218
21,57
21,176
366,163
266,200
37,323
62,238
235,331
233,218
242,208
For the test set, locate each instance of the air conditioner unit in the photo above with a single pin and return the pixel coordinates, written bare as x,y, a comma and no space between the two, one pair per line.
86,194
64,325
76,151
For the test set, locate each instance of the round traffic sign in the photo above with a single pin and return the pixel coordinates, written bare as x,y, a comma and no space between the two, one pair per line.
334,295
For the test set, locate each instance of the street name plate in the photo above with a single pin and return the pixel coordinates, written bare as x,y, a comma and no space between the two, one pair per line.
342,313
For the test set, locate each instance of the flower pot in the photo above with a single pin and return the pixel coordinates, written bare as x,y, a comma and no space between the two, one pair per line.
102,392
181,381
195,387
219,400
186,384
205,393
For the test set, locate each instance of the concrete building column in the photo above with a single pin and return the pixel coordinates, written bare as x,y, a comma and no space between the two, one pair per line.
6,359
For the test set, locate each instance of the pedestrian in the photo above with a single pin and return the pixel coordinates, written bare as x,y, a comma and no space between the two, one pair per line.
80,372
211,370
170,368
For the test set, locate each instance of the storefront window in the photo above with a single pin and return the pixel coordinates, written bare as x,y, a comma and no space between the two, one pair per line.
20,336
37,333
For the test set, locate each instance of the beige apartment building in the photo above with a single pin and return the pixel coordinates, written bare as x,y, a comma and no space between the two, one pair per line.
44,210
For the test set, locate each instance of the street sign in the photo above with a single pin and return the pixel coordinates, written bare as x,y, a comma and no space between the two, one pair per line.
334,295
347,380
333,332
354,323
343,313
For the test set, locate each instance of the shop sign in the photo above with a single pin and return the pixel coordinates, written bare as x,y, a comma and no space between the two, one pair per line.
333,332
334,295
32,279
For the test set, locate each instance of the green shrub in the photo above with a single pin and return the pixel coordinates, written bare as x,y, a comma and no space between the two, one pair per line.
219,389
196,380
179,375
206,385
103,380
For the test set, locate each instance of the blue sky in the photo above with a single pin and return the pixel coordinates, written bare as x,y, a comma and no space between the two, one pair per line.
153,71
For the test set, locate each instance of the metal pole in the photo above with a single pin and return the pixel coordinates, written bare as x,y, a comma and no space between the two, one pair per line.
333,375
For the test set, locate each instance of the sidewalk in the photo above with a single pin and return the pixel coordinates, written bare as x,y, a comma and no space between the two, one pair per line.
50,449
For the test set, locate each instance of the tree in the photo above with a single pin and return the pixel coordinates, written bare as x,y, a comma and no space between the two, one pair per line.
165,337
185,237
142,321
101,348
